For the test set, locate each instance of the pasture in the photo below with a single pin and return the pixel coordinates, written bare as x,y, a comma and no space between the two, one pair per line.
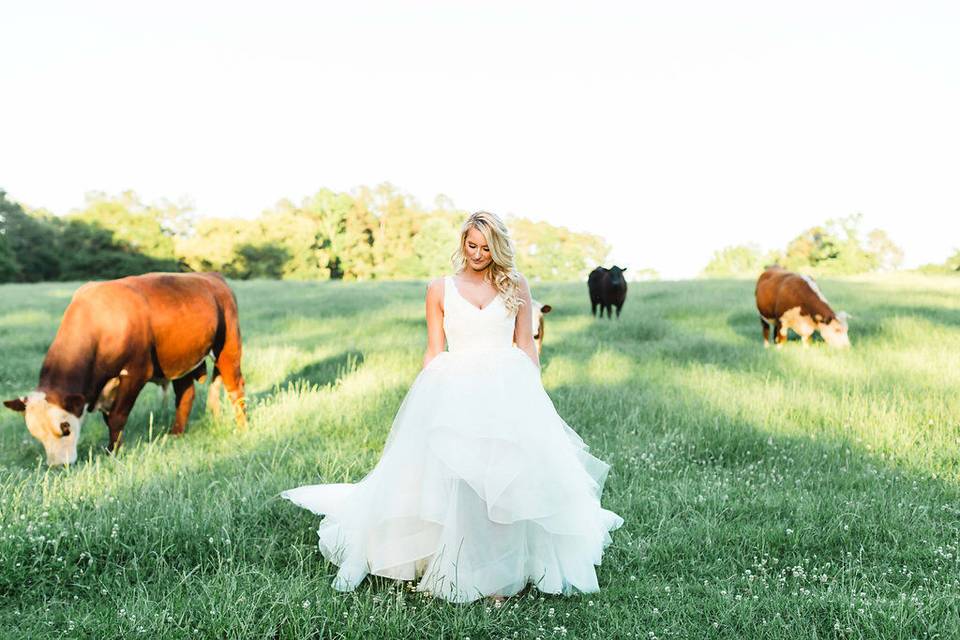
767,493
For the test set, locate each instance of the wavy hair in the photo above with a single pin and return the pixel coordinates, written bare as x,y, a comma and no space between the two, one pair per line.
501,273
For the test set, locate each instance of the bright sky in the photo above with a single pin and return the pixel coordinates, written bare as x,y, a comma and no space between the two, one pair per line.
671,128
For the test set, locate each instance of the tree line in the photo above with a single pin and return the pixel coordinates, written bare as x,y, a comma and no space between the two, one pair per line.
836,247
368,233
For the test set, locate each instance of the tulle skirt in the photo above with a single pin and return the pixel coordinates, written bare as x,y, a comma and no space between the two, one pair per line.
482,489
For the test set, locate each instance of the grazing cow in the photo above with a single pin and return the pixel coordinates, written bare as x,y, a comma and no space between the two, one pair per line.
118,335
593,286
788,300
607,288
536,324
539,310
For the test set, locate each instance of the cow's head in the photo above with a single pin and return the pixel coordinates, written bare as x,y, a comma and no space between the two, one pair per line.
834,332
616,275
56,427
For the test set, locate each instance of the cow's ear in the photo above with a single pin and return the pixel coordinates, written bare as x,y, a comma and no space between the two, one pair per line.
624,269
73,403
546,309
17,404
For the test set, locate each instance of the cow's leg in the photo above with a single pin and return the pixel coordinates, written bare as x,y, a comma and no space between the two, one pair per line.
766,332
780,333
127,393
185,393
619,306
805,340
593,309
228,364
214,392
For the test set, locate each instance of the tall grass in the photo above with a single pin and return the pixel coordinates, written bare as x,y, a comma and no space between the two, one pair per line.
790,493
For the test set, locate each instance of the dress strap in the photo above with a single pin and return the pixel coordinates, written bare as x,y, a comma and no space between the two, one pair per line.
447,283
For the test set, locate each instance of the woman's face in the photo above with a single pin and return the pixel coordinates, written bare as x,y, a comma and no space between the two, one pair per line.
476,249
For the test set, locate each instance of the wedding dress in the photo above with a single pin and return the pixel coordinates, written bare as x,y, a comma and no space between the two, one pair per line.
481,489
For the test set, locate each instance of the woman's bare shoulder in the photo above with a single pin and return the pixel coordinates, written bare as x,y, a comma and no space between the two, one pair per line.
435,287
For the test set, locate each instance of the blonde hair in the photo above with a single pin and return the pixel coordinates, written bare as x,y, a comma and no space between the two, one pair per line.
501,273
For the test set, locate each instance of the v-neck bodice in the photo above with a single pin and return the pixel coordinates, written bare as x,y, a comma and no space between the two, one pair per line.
467,326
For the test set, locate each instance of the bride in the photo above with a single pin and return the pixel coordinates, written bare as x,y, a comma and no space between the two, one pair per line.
482,487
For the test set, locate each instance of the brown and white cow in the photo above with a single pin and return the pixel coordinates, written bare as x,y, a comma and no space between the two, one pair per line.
536,318
116,336
788,300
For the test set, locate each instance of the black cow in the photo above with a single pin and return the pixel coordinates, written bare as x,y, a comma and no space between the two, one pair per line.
608,288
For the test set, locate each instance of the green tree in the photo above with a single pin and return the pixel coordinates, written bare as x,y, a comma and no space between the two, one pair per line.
301,238
262,260
435,243
885,255
9,267
837,248
213,243
134,226
398,219
348,232
549,252
813,247
90,252
328,243
33,241
112,237
355,257
740,260
953,262
370,233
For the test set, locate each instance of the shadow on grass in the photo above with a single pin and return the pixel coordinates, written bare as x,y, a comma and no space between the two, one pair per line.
680,537
948,318
693,440
336,300
154,412
328,371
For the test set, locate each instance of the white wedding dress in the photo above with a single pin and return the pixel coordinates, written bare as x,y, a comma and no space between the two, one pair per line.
482,487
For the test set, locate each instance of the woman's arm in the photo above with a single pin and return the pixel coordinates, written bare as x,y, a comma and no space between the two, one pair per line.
435,337
523,331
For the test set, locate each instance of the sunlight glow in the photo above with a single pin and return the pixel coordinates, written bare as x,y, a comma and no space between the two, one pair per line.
671,129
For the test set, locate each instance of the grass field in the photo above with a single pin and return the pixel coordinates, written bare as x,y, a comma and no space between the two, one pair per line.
767,493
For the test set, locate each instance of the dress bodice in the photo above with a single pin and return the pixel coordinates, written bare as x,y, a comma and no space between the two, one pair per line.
468,327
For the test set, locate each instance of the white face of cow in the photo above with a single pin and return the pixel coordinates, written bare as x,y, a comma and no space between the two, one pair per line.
835,333
57,430
536,319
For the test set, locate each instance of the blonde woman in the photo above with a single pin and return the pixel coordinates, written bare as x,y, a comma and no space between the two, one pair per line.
482,488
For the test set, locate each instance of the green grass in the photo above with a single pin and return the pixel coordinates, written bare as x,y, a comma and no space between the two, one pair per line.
767,494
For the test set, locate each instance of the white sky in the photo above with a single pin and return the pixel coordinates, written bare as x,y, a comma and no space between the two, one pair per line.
671,128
